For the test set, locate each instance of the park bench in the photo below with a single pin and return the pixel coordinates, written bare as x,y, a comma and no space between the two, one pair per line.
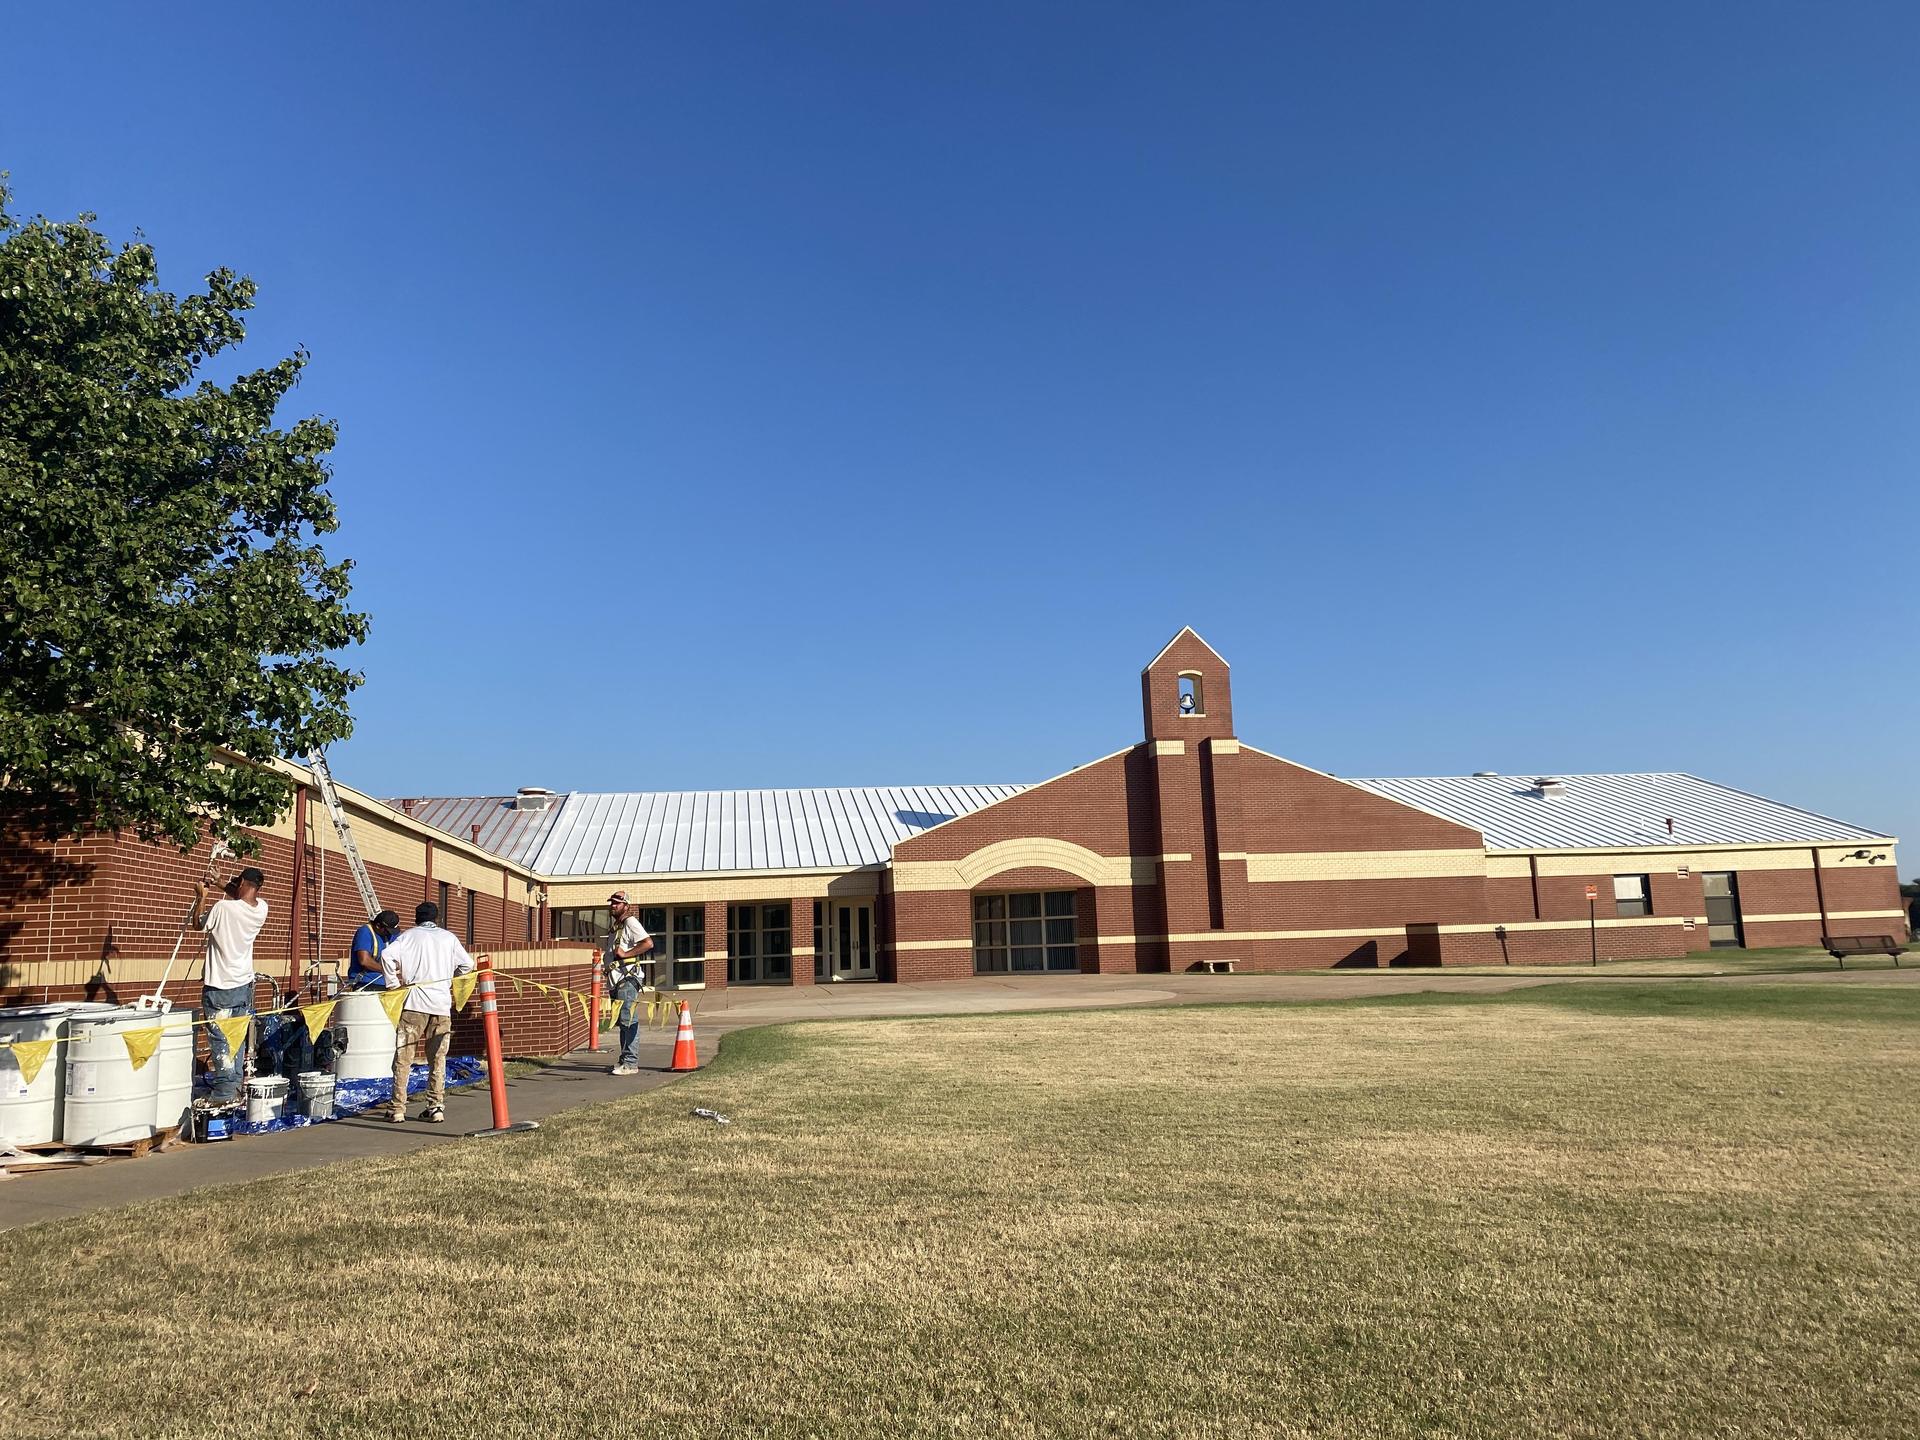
1841,946
1214,967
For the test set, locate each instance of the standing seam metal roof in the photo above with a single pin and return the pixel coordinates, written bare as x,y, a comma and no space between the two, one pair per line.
505,830
1604,812
678,832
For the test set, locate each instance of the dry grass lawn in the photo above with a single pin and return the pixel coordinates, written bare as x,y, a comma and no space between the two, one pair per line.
1587,1210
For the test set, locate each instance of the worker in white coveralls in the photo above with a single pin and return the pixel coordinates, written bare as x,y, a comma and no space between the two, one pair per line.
232,925
427,958
627,976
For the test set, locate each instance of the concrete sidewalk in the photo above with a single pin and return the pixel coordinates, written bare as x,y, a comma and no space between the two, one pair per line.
583,1077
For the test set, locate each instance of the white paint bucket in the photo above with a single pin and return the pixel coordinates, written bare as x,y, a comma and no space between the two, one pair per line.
266,1098
315,1089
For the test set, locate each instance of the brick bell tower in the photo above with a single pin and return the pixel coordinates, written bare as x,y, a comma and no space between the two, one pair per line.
1186,695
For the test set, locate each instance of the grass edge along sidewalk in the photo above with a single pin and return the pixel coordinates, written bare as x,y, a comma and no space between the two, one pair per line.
1574,1210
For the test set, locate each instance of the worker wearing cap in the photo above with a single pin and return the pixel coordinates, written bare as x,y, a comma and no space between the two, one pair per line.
426,958
627,976
231,925
363,970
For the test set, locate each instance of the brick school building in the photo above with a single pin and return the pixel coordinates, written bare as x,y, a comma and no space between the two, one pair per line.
1188,848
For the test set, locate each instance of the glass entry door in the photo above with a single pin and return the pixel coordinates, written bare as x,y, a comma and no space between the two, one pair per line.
849,940
1723,907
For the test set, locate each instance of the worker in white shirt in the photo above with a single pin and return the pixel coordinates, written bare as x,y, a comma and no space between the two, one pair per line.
232,925
627,977
427,958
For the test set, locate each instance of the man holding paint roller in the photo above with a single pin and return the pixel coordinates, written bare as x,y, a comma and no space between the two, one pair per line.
232,925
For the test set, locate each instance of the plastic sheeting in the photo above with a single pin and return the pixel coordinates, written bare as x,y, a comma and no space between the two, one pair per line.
350,1097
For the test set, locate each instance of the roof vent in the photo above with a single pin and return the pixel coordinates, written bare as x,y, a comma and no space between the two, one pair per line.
533,797
1486,774
1550,785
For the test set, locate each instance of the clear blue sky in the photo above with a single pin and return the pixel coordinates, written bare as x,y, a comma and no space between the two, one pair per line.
831,394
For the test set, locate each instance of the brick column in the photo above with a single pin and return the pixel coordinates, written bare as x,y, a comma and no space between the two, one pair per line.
803,948
716,941
1227,838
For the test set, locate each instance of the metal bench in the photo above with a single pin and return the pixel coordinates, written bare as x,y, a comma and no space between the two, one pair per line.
1841,946
1214,967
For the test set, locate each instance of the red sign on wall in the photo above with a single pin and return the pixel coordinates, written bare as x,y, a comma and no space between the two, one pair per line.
1593,892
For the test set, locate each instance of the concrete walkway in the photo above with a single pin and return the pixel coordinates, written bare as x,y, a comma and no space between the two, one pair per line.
583,1077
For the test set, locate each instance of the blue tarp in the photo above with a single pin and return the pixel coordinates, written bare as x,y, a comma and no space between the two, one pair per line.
350,1097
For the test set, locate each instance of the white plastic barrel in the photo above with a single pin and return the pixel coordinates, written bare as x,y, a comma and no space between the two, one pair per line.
368,1053
30,1114
108,1102
173,1094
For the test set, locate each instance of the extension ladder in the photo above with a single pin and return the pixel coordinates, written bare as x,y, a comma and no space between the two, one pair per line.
317,761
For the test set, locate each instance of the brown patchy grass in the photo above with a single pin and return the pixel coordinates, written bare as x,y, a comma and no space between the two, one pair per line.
1574,1212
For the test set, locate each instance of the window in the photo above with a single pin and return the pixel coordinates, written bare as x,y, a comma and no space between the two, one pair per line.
1631,895
819,942
469,919
445,903
689,937
1022,934
759,943
589,926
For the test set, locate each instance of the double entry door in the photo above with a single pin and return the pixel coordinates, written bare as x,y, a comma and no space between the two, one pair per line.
844,941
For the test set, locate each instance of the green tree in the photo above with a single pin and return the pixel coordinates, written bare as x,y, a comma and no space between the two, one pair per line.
164,603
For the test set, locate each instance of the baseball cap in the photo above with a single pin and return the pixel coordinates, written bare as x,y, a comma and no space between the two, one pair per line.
619,897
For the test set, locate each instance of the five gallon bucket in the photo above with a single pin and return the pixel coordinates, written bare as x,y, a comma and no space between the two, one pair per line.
108,1102
266,1098
315,1089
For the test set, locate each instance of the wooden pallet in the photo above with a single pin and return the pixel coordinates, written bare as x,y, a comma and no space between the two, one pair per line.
124,1149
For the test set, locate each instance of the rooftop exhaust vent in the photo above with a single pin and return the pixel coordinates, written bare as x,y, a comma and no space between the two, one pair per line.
1550,785
1486,774
533,797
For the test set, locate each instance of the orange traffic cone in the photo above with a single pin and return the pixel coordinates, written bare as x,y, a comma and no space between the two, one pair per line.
684,1057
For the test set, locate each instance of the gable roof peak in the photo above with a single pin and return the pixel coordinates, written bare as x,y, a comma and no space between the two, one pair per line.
1185,630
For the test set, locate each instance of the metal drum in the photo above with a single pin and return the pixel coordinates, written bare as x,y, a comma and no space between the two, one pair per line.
30,1114
108,1102
174,1090
368,1051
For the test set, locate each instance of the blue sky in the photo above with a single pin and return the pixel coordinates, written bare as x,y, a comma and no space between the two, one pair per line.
831,394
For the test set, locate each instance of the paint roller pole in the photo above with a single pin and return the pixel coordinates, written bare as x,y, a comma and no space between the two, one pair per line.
496,1061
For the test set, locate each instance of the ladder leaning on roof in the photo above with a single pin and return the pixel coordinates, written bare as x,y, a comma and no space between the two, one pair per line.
317,761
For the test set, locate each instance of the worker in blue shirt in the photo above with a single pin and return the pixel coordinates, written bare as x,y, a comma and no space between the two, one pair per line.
369,942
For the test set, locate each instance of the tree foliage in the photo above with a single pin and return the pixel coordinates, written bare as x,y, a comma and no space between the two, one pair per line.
164,602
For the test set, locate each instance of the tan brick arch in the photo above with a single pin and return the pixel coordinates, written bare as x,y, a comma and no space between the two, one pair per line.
1027,853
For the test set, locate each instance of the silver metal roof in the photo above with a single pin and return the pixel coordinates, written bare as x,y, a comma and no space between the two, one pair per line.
1603,812
511,833
678,832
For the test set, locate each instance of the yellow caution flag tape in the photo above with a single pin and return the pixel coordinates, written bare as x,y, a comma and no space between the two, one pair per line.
30,1055
463,988
234,1028
393,1002
142,1043
316,1017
